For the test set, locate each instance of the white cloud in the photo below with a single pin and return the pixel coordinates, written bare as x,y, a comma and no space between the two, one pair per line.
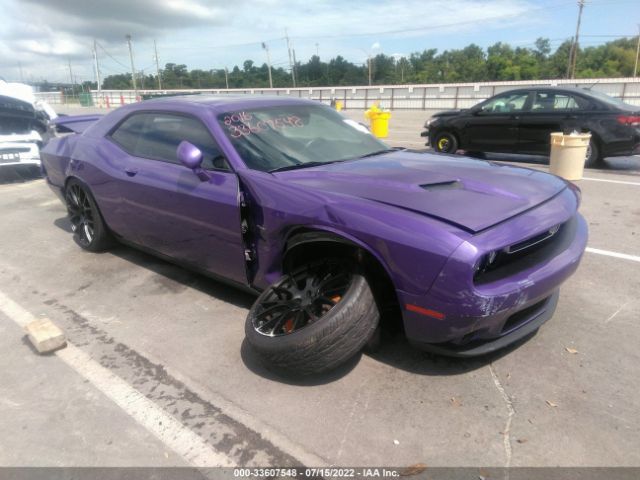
44,34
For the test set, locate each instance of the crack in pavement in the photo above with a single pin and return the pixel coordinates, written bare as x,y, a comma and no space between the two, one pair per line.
506,433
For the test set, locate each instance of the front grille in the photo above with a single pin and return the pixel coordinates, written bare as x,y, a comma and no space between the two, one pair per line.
528,253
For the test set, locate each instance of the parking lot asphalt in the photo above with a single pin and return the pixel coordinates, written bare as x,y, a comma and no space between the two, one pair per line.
567,396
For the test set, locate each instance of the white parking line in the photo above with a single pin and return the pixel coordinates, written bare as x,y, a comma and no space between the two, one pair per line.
608,253
191,447
611,181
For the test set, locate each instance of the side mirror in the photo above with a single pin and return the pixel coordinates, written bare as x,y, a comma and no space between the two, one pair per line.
191,157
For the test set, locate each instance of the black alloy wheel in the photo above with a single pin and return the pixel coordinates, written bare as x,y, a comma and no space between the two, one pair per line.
87,225
313,319
300,299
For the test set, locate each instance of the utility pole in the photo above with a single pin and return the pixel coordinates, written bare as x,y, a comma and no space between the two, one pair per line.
369,66
155,50
226,77
133,69
573,54
293,52
96,66
293,73
266,49
635,66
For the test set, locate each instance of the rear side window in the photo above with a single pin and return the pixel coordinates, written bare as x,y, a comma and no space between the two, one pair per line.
550,101
157,136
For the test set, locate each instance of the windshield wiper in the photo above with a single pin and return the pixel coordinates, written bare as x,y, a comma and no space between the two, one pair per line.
378,152
316,164
301,165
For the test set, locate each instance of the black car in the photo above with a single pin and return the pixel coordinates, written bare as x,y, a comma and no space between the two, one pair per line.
520,121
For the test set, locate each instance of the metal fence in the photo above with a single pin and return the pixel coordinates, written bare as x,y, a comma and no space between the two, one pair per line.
392,97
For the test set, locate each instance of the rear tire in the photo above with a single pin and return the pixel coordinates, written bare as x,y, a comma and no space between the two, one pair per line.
593,154
321,344
445,142
89,229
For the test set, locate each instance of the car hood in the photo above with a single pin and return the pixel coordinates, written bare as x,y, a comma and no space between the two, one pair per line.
470,194
447,113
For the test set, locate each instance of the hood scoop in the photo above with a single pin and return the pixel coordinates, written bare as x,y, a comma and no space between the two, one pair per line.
450,185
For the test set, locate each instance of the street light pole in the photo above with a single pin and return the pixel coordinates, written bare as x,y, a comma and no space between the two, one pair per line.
133,68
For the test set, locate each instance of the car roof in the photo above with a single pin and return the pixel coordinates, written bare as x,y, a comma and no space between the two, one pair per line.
553,88
224,102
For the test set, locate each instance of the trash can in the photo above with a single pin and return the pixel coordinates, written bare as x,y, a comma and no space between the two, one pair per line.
379,121
568,154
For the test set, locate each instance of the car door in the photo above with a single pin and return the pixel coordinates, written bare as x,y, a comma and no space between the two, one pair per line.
166,207
551,111
493,125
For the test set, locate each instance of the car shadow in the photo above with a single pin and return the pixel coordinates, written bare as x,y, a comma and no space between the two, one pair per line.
19,173
182,276
63,223
397,352
394,349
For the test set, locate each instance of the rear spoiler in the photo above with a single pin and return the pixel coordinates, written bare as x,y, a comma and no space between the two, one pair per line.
74,123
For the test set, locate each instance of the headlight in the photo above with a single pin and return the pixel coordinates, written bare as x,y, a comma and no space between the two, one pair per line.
486,261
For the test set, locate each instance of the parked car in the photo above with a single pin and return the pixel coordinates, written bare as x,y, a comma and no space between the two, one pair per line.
23,126
521,120
288,198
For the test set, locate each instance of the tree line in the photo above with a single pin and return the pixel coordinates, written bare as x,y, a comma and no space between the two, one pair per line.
500,61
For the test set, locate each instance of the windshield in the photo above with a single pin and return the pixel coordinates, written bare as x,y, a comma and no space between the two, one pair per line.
274,138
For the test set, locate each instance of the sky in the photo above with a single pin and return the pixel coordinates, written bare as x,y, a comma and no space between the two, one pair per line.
39,39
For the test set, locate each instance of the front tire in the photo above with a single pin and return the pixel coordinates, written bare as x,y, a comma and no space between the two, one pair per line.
87,225
314,319
445,142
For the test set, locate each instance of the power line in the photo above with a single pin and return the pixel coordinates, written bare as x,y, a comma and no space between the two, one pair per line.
112,57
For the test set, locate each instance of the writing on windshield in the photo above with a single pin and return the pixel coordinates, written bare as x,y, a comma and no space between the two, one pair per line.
241,124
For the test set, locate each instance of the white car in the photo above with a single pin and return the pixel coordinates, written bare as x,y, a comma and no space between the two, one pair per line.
24,125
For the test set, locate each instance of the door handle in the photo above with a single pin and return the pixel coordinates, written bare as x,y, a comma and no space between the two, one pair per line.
131,171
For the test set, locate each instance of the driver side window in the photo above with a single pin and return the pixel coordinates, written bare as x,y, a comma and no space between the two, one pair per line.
513,102
156,136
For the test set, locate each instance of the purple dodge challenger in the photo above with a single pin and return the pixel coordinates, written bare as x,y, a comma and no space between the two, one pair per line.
335,229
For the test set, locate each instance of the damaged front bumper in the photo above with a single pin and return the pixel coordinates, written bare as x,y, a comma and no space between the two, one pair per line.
462,316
